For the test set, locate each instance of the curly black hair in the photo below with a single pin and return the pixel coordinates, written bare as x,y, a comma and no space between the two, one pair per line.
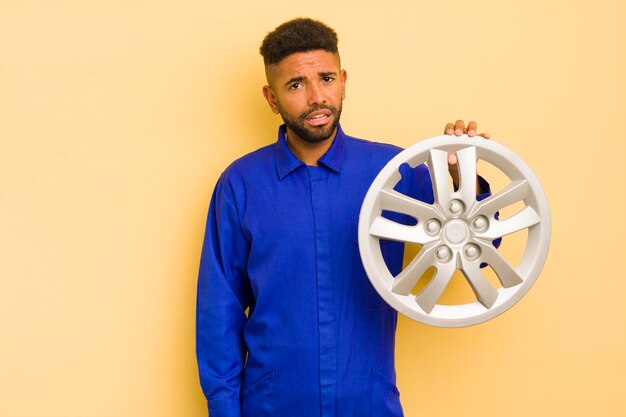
297,35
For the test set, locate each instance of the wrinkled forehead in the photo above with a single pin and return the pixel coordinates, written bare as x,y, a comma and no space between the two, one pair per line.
303,64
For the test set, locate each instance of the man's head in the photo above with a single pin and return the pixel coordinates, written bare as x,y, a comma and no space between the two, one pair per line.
297,35
305,82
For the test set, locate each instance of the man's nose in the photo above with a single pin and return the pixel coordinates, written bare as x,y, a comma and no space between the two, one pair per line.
316,94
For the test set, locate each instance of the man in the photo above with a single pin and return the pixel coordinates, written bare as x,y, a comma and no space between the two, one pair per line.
281,243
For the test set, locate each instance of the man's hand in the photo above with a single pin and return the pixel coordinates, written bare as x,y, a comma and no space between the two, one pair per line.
459,129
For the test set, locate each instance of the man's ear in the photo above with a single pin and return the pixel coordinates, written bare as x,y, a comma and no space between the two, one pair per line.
269,95
344,77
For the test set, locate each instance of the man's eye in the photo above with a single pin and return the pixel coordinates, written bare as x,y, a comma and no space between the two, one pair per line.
295,86
327,79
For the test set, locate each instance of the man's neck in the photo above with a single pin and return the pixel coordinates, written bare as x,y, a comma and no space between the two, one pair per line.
308,152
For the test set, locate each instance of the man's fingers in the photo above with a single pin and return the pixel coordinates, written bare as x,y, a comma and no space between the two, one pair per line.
459,127
471,129
452,159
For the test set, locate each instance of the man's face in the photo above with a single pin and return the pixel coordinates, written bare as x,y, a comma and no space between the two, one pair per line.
307,89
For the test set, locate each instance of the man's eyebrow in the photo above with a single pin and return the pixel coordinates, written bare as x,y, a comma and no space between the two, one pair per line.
294,80
300,78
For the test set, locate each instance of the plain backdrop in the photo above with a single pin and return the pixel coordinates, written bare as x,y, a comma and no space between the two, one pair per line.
117,117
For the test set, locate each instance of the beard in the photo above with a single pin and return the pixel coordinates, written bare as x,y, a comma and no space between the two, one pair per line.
316,134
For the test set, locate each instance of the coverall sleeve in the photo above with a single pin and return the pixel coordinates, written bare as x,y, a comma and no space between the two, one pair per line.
222,298
485,189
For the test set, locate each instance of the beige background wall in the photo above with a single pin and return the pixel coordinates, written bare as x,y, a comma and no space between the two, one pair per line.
116,118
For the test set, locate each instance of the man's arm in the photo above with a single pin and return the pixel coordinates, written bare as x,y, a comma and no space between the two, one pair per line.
223,295
458,128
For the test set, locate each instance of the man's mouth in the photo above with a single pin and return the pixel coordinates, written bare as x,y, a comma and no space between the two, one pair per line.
319,118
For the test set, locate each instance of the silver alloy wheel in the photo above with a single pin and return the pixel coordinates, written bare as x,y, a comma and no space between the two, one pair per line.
456,232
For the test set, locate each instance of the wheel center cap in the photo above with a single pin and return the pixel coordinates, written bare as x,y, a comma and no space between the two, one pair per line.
456,231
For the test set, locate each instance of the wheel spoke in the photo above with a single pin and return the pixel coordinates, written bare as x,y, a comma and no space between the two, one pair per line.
388,229
431,294
507,275
467,175
484,291
438,168
400,203
406,280
512,193
527,217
